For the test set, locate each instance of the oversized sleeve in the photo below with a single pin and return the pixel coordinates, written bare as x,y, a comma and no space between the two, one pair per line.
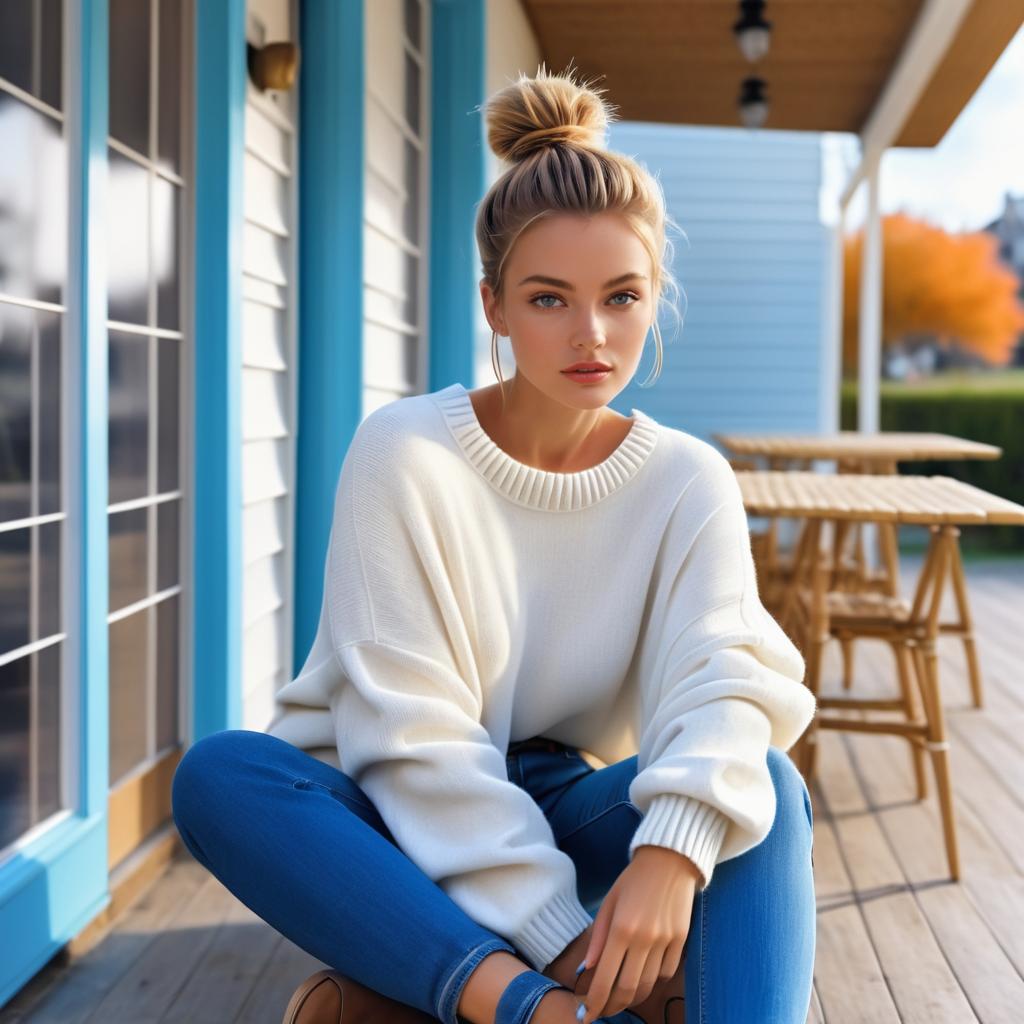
719,681
408,708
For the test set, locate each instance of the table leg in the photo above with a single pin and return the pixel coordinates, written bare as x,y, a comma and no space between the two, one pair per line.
926,661
964,628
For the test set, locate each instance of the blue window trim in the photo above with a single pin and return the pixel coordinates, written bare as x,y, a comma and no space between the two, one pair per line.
330,358
457,183
220,88
55,885
332,169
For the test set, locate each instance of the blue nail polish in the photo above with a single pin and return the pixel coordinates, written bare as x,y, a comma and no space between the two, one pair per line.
581,1012
582,967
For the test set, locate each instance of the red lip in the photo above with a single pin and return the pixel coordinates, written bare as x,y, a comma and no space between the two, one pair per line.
586,366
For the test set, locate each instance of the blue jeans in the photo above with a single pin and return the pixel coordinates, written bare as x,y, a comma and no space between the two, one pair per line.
301,845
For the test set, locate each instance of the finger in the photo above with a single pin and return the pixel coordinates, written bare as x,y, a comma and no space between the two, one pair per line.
599,936
650,977
604,977
674,956
630,980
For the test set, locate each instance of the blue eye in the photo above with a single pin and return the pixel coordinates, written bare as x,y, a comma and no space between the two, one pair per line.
547,295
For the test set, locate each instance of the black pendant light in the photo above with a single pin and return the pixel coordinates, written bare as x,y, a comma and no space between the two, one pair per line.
753,33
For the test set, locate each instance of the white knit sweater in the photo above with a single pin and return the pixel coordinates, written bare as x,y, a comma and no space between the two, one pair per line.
471,600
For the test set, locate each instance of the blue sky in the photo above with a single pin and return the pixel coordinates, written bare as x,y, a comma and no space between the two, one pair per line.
960,183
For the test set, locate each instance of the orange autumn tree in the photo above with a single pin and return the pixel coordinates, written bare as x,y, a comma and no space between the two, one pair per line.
936,284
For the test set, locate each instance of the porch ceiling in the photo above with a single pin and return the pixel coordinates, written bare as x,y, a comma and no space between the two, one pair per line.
676,61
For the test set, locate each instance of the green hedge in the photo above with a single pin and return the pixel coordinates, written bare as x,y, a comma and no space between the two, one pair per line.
989,410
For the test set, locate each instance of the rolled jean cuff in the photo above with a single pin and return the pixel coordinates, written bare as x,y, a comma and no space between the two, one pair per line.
521,996
452,991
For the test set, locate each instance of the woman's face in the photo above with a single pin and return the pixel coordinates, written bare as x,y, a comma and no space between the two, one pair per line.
577,288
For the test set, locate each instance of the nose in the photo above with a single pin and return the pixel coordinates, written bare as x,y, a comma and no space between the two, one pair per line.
590,332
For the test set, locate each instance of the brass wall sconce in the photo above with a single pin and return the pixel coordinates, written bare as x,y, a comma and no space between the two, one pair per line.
273,66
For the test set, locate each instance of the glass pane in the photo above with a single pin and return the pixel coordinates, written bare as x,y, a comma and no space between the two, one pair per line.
49,468
14,588
128,638
168,546
168,385
48,666
48,614
169,87
16,328
412,22
167,673
128,251
129,416
15,814
17,49
166,206
50,47
129,73
33,187
412,92
16,42
412,187
127,557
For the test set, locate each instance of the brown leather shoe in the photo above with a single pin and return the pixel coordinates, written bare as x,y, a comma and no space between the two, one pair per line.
328,997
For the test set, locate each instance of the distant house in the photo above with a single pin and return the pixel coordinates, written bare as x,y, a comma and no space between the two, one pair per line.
1008,227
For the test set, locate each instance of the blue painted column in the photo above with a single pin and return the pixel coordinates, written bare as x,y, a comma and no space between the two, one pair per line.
219,138
330,386
458,182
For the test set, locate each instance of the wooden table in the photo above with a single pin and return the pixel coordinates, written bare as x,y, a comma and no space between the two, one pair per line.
872,452
814,613
856,452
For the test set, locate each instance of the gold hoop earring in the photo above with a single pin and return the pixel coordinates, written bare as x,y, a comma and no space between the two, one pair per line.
658,357
496,364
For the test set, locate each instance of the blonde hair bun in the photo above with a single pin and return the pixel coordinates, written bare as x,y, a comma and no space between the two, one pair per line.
540,111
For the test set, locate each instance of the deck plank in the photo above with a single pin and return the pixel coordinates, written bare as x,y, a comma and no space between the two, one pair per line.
925,989
148,988
82,985
232,963
287,967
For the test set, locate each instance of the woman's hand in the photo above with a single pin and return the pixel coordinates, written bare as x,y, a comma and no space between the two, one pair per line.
640,930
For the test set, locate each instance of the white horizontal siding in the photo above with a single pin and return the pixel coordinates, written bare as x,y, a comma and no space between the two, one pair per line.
269,366
753,267
394,251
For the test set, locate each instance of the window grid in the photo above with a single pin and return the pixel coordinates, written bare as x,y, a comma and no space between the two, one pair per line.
33,101
150,335
34,521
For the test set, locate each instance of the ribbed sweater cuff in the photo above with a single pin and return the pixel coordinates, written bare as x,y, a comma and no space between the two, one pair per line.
691,827
551,930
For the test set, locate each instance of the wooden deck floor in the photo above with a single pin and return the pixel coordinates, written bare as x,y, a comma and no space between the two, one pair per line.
896,940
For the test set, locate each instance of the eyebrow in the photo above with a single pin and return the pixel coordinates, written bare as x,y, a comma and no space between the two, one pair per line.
559,283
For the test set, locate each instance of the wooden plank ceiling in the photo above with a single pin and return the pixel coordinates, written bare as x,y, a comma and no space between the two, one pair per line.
676,61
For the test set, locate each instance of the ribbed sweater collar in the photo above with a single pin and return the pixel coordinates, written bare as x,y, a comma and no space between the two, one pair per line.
541,488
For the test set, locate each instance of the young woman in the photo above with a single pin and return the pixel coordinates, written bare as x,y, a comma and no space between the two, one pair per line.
517,574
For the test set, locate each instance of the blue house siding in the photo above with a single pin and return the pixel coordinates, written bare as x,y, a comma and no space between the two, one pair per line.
752,266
